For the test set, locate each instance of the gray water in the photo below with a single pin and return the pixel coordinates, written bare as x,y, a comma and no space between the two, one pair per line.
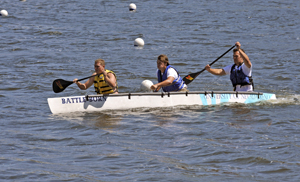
49,39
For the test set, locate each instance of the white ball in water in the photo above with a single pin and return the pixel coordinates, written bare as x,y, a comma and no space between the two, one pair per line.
146,84
132,7
3,13
139,42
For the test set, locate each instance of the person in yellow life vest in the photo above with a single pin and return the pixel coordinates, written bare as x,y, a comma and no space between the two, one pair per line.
105,81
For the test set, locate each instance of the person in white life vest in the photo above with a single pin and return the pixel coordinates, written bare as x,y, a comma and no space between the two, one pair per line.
105,81
240,72
168,77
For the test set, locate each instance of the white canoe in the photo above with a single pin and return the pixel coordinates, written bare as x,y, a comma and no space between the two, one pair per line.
123,101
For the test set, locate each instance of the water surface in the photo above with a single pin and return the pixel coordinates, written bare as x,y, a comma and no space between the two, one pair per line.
45,40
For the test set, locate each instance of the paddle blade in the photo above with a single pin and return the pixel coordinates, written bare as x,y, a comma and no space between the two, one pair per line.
189,78
60,85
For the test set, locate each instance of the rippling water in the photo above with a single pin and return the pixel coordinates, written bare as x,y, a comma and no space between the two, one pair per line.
45,40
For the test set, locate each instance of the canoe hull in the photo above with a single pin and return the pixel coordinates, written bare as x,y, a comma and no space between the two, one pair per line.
96,103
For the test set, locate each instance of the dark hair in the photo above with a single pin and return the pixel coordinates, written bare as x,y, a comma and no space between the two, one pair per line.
236,49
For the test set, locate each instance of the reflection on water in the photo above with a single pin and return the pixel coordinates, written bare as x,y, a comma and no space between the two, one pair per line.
107,122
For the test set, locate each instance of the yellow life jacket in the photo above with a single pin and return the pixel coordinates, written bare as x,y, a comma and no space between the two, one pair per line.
101,87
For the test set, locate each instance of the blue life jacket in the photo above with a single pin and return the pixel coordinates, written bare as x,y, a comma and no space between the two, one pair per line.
238,77
176,85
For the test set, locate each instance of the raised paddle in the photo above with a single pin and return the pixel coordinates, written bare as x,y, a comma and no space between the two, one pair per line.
60,85
189,78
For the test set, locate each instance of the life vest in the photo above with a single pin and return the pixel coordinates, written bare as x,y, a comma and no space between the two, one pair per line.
238,77
101,87
176,84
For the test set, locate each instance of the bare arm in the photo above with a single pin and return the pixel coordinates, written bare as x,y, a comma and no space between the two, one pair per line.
86,85
246,59
164,83
110,79
215,71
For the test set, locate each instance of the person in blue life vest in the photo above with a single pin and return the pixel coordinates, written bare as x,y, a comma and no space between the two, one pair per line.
105,81
168,77
240,72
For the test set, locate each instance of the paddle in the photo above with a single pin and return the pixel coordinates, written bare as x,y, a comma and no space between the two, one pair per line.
60,85
189,78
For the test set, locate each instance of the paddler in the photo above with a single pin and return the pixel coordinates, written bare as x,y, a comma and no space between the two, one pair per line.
168,77
105,81
240,72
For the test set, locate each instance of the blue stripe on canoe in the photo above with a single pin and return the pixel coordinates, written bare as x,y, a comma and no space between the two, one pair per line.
213,100
203,99
254,98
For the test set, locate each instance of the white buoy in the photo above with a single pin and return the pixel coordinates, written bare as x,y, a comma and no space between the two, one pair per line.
146,85
132,7
3,13
23,0
139,42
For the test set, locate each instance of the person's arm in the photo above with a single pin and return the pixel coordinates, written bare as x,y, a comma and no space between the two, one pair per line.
110,79
215,71
246,59
86,85
164,83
